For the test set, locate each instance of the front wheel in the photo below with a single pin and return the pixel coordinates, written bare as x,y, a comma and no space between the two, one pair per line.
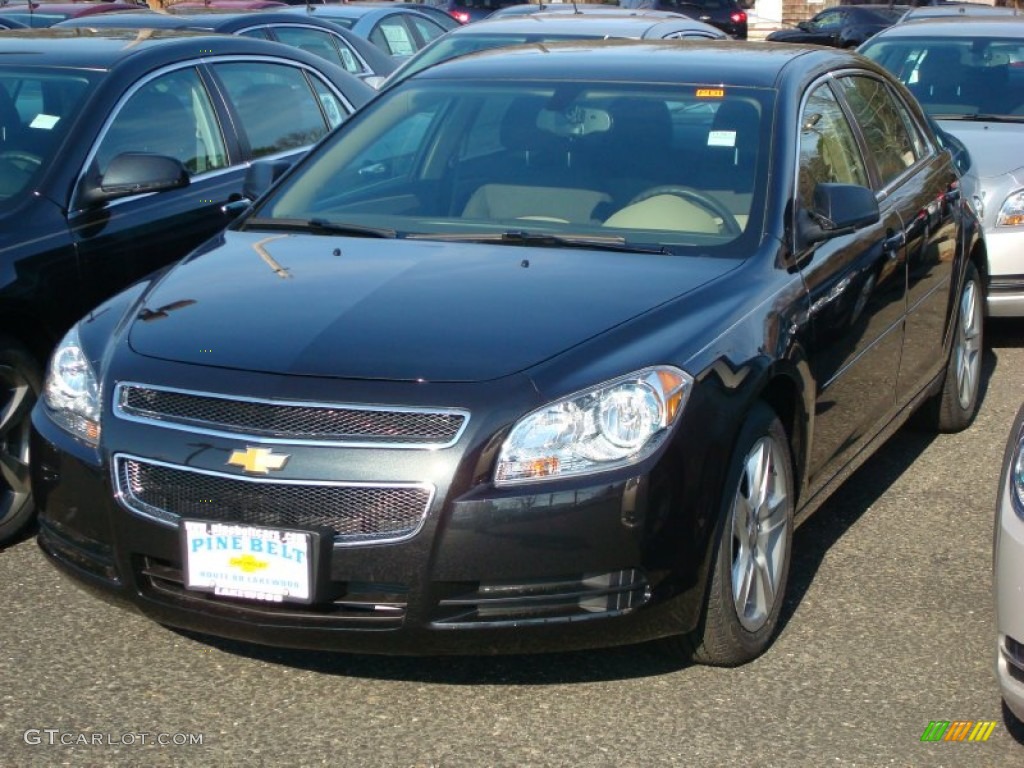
953,409
20,384
753,547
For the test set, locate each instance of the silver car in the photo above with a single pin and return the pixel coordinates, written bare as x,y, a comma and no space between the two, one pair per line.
968,74
1008,571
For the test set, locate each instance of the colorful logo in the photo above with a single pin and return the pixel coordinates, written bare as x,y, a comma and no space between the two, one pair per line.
958,730
258,460
248,563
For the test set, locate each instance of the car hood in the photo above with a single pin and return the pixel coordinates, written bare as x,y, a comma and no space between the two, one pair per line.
398,309
994,147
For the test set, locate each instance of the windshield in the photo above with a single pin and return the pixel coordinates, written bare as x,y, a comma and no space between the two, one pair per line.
655,167
958,77
36,108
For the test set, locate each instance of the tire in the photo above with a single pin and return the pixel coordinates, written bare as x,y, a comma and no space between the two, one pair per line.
955,407
20,385
750,567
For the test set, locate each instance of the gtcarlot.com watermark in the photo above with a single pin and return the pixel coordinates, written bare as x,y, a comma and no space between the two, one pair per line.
55,737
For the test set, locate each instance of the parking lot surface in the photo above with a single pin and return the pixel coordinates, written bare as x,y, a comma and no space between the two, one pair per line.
889,626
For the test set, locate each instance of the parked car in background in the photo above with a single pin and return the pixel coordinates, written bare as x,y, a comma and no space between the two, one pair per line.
728,15
957,9
845,26
968,74
398,31
355,54
545,27
465,11
547,347
41,15
6,23
192,6
1008,571
528,8
118,154
438,14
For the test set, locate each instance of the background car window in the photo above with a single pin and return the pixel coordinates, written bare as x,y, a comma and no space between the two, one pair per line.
260,33
892,139
333,107
427,29
170,115
322,44
829,20
393,37
36,109
275,104
828,151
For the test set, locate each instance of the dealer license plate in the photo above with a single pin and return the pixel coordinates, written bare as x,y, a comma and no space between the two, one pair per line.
248,561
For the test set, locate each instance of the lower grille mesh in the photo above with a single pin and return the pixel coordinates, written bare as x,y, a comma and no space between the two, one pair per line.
353,512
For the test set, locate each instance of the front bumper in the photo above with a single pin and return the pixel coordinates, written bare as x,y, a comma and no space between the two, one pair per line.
599,561
1005,291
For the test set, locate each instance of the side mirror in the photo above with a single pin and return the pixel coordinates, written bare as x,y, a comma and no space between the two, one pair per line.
804,26
837,209
135,173
261,175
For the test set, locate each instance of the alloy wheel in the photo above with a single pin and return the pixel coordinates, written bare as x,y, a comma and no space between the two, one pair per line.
759,542
968,345
16,401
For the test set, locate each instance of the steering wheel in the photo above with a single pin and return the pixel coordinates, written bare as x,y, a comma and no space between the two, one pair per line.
24,161
704,200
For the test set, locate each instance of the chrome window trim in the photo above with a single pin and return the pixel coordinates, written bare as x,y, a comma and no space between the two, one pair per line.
124,497
338,39
197,64
120,412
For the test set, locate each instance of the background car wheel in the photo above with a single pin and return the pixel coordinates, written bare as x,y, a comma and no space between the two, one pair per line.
955,407
754,542
20,385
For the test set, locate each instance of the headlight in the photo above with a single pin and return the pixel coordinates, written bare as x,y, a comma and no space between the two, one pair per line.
1017,476
1012,212
71,392
615,424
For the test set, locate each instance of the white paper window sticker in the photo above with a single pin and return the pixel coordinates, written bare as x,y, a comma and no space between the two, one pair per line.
45,122
722,138
331,108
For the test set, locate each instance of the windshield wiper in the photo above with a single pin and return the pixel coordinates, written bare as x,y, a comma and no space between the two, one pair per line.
985,117
320,225
543,240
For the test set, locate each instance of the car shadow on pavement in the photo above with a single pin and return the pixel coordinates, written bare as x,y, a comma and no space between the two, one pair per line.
860,491
605,664
811,543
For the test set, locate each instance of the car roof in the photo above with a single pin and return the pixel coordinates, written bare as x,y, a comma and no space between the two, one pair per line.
216,19
567,23
106,48
653,61
957,26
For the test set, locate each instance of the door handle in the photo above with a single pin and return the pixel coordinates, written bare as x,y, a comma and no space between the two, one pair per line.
893,243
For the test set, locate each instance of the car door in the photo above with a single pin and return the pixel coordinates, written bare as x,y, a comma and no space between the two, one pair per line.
168,113
921,185
274,108
856,284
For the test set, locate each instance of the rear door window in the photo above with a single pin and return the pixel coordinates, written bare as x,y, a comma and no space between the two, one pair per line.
277,108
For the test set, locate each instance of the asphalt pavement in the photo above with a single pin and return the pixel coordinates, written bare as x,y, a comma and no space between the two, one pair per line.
889,625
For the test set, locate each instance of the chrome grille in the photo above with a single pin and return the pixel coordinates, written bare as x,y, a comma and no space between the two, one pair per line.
287,421
357,513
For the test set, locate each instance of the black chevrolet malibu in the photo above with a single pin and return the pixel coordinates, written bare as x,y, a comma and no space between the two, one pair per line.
548,347
119,153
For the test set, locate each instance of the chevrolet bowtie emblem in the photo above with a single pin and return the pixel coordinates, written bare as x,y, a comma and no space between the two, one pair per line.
258,460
